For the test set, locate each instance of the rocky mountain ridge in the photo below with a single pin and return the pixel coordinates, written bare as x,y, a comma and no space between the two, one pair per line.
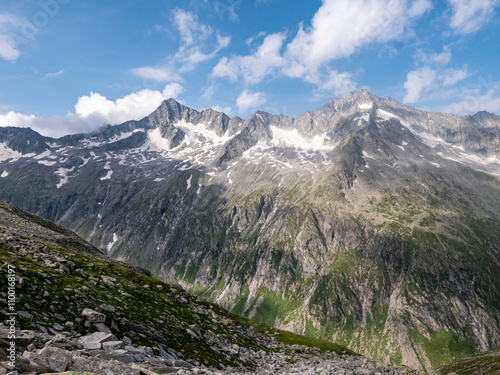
366,221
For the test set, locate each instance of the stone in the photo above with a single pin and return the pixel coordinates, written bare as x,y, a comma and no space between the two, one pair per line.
134,350
101,327
182,363
93,316
25,314
126,340
108,280
107,308
102,366
112,345
24,365
95,340
54,358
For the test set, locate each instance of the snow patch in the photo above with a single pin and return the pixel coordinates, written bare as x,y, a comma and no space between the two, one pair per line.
366,106
110,172
47,163
4,174
63,173
292,138
43,155
189,182
384,115
158,179
365,155
7,153
110,245
85,161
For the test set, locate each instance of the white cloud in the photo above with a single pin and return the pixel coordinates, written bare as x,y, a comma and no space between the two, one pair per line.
341,27
417,81
432,77
452,76
12,31
431,82
253,68
474,101
8,50
338,29
56,74
468,16
249,99
227,110
172,90
442,58
16,119
195,39
158,74
338,83
420,7
189,27
94,111
131,107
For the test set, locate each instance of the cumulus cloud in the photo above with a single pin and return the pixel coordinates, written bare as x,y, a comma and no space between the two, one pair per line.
468,16
195,39
433,76
95,110
12,31
249,99
473,101
341,27
255,67
418,81
131,107
442,59
16,119
431,82
338,29
338,83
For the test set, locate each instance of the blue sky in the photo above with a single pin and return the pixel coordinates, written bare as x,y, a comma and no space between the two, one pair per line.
69,66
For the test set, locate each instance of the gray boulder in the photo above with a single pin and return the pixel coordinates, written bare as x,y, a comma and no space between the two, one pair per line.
93,316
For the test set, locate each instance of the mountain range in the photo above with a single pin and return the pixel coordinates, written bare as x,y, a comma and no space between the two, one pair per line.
365,222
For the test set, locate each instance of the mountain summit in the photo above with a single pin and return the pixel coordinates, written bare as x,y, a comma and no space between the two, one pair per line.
366,222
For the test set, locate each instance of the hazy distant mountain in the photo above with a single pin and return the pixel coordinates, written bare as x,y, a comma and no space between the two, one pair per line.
366,221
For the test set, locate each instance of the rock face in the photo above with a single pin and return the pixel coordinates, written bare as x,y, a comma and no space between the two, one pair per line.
365,222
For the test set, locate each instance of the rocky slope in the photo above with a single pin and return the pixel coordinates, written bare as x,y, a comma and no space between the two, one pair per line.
76,312
487,363
365,222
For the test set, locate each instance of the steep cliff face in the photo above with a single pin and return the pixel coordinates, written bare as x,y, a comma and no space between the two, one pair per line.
365,221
